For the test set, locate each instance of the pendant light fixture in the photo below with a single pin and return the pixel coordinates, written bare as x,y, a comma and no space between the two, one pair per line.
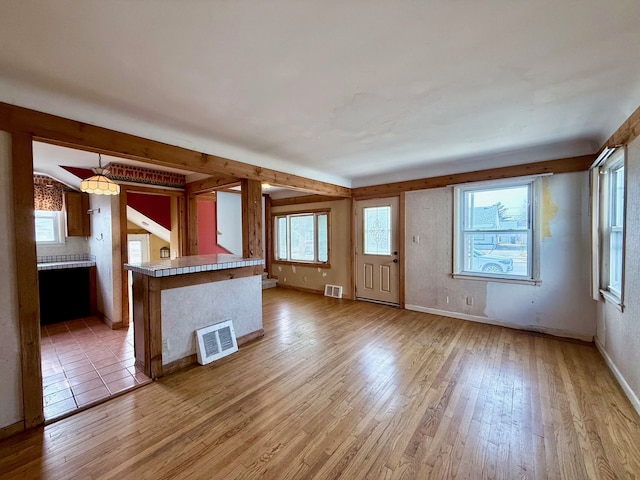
100,184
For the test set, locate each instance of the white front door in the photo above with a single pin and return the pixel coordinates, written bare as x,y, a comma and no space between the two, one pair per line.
377,260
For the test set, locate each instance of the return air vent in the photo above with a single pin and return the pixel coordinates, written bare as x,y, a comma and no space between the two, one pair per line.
215,341
334,291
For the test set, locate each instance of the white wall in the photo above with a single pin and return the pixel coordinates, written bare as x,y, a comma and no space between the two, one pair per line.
229,219
104,243
10,368
184,310
618,333
561,305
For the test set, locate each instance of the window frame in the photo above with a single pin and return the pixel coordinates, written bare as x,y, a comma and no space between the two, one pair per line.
288,215
603,203
58,227
533,230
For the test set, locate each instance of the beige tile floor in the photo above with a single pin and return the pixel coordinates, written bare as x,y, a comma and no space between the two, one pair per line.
84,361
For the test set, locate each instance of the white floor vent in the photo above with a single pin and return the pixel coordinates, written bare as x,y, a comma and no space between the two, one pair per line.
334,291
215,341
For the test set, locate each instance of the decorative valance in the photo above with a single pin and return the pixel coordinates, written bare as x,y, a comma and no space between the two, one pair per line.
47,194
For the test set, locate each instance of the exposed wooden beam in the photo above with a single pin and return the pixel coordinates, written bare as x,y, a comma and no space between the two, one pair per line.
281,202
562,165
71,133
27,278
192,224
167,192
137,231
211,183
251,219
626,133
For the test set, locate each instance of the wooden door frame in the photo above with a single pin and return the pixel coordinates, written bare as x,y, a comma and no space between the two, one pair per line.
124,246
27,271
401,240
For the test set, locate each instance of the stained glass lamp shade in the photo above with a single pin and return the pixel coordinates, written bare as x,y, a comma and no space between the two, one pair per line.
100,184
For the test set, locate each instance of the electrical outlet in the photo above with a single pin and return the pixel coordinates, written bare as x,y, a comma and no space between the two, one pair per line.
470,301
447,299
416,239
165,344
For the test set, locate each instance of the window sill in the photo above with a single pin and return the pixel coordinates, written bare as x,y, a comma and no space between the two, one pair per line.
612,299
302,264
485,278
50,244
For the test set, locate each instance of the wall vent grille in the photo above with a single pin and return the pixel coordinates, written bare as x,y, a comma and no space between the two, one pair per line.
215,341
334,291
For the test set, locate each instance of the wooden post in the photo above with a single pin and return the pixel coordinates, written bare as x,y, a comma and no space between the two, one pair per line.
251,218
27,278
192,224
268,237
124,257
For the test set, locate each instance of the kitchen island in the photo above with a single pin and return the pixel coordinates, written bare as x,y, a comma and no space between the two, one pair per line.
174,298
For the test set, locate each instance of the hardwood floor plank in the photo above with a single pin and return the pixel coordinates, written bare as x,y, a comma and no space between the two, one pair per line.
344,389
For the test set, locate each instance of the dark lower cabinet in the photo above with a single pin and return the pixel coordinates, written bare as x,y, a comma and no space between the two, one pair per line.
64,294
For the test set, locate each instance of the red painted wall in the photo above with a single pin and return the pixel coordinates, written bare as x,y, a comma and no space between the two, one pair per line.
156,207
208,228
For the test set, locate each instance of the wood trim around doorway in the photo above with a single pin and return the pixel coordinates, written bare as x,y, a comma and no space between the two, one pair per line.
27,278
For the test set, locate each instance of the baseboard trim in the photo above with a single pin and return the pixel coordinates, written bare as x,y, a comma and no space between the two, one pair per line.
180,364
10,430
311,290
193,358
631,395
112,325
249,337
491,321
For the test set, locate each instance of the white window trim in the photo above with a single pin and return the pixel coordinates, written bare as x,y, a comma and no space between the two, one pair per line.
59,229
534,260
599,220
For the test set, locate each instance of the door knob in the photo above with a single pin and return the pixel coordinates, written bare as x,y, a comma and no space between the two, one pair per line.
395,260
395,253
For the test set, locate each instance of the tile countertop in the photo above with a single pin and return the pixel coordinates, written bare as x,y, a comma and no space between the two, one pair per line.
65,265
192,264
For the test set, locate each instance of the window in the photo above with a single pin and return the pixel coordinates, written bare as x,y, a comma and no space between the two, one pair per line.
302,237
494,230
608,183
377,230
48,227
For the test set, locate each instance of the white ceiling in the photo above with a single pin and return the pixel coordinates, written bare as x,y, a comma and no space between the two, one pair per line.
351,92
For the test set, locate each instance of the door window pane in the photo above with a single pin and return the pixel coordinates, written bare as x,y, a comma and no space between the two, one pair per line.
377,230
135,251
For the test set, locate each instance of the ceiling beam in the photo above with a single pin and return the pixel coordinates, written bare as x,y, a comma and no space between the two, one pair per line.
71,133
281,202
626,133
212,183
562,165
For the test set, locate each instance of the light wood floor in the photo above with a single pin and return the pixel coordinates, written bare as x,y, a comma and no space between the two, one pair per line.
341,389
